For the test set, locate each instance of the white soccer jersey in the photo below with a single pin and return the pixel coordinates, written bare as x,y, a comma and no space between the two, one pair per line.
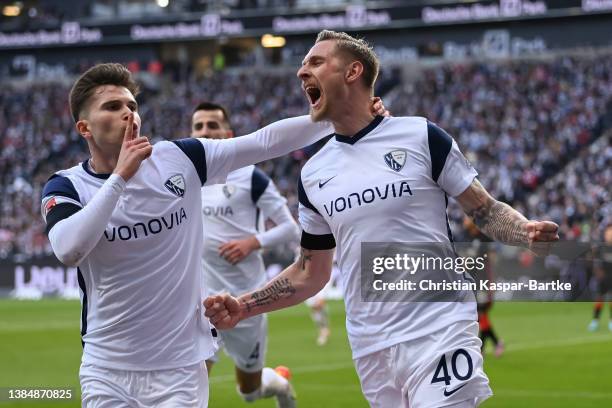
142,283
236,210
388,183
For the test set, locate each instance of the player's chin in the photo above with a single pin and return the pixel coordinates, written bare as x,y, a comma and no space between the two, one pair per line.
317,114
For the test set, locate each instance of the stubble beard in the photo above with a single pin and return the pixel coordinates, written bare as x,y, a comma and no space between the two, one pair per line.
319,115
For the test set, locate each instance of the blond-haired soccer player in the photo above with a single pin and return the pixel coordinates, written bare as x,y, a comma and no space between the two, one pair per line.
384,180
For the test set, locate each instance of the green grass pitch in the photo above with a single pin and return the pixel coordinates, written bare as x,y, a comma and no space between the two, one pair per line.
550,360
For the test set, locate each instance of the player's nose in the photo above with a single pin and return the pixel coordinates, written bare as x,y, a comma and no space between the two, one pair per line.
303,73
125,113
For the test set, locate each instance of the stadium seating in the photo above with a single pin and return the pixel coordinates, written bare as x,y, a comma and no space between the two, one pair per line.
519,124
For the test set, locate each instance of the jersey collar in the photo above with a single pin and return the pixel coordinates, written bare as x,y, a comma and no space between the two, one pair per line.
91,173
352,140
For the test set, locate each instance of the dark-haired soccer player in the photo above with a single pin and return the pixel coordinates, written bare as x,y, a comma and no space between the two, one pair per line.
397,173
130,219
233,236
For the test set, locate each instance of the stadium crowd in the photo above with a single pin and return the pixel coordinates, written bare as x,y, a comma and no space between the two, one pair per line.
519,123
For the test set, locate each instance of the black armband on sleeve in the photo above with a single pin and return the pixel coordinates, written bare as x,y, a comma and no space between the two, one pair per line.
317,242
60,212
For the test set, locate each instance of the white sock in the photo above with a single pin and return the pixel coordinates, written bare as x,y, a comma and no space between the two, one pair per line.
320,317
251,396
272,383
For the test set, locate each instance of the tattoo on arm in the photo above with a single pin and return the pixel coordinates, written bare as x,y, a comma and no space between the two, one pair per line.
280,288
305,256
496,219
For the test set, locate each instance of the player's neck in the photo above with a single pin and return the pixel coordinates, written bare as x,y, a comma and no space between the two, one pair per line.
101,164
352,118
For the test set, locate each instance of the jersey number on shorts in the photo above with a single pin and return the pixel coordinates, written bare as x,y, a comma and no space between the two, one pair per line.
443,369
255,354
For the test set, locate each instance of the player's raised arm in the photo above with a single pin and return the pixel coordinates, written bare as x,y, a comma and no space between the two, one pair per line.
503,223
74,229
298,282
274,140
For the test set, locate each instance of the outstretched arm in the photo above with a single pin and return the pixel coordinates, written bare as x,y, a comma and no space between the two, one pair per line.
298,282
501,222
274,140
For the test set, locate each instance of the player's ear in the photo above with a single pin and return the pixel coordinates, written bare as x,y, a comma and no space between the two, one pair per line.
353,71
82,126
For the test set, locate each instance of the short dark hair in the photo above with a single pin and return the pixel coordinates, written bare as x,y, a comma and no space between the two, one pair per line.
101,74
357,48
210,106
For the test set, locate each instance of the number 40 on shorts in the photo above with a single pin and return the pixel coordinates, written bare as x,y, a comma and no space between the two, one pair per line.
442,374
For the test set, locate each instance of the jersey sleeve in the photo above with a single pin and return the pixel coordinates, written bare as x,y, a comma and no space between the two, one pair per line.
59,200
264,193
194,150
277,139
316,233
449,167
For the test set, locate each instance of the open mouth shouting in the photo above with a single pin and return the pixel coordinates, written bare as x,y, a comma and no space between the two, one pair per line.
314,96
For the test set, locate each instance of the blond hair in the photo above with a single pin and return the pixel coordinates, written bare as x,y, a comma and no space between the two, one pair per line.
355,48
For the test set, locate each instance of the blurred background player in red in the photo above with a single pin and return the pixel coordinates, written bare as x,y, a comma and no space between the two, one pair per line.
486,328
480,247
602,271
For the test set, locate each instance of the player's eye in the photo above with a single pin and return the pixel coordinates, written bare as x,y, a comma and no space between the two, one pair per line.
213,125
198,126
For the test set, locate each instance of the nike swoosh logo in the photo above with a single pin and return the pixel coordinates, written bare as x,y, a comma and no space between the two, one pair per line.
326,181
449,393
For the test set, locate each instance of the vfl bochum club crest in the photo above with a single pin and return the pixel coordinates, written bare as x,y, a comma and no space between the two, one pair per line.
396,159
228,190
176,185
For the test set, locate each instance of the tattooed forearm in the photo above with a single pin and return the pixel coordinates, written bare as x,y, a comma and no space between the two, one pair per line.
305,256
501,222
497,220
280,288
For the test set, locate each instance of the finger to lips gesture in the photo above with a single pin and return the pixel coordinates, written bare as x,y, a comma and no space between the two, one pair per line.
134,150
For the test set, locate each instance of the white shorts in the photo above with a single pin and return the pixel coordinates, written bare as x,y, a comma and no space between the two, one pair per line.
443,369
246,343
174,388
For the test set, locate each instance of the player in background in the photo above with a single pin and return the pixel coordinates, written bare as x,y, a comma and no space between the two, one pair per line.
233,237
480,247
319,311
424,354
602,269
130,219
